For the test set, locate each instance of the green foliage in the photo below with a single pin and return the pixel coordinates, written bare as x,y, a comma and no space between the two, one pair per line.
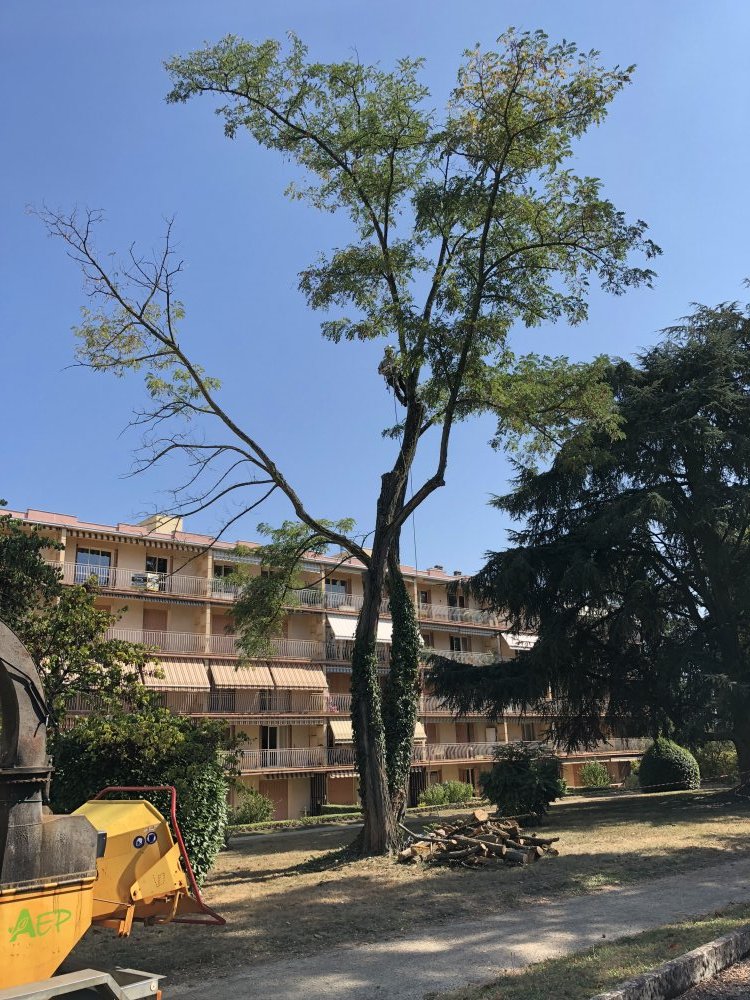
261,606
447,793
151,748
253,807
595,775
63,630
631,559
335,809
26,581
523,781
401,689
717,759
667,767
67,642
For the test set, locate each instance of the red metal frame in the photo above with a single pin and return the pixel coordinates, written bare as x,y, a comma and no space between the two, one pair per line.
214,917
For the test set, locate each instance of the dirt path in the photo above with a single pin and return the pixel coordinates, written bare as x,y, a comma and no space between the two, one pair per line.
446,957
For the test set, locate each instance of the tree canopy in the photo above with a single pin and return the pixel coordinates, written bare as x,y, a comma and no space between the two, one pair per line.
632,561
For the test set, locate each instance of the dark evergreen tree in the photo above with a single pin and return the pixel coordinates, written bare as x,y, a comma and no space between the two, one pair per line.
632,564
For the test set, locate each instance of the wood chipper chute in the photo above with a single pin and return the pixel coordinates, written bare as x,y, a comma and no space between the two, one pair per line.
112,862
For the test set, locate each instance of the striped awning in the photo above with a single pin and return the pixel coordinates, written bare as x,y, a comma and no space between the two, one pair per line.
341,774
420,736
177,674
344,627
310,678
231,674
520,641
341,730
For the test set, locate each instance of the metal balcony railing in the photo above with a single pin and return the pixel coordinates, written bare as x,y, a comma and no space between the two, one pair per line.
445,613
218,588
222,645
463,656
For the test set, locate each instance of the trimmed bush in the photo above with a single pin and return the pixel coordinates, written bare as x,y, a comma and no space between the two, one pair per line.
333,809
523,781
595,775
668,767
253,808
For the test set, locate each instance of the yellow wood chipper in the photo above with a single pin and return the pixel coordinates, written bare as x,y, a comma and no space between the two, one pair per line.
110,863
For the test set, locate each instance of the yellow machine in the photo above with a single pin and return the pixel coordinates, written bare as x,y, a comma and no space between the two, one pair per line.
112,862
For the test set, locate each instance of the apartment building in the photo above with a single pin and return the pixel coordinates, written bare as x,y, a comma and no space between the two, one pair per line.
291,710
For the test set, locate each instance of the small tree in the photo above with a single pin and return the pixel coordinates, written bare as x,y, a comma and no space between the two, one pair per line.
462,224
594,774
151,748
523,781
63,630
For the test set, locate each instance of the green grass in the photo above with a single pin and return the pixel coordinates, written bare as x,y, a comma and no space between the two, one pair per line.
586,973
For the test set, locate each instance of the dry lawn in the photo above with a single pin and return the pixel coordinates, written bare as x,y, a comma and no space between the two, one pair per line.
294,893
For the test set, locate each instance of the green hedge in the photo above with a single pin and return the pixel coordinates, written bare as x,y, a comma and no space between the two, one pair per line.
667,767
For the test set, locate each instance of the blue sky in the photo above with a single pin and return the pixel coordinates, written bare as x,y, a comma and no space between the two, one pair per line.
84,123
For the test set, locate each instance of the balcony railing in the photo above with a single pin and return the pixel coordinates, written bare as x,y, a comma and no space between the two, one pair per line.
445,613
217,588
341,649
463,656
221,645
320,757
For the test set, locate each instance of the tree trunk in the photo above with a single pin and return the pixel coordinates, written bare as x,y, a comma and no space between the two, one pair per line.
741,740
380,831
383,746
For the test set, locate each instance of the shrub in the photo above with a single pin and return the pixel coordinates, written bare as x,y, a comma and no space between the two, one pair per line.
154,748
253,807
458,792
718,759
667,767
447,793
595,775
433,795
523,781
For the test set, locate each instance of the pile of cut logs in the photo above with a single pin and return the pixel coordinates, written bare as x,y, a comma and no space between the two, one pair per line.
478,842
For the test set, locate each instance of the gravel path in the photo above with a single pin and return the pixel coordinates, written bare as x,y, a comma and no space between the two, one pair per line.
447,957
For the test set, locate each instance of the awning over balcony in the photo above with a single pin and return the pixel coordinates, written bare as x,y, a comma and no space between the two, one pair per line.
420,736
178,675
231,674
344,627
519,641
341,774
308,678
341,730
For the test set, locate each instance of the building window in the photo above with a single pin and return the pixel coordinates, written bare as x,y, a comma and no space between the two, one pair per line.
528,731
428,640
460,643
455,603
425,597
337,591
157,568
220,583
93,562
466,774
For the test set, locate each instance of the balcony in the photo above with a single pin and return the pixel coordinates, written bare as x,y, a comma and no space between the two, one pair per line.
319,758
217,588
445,613
118,578
342,649
193,643
463,656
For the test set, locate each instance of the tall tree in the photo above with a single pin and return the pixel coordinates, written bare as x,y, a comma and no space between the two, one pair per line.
633,561
462,225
